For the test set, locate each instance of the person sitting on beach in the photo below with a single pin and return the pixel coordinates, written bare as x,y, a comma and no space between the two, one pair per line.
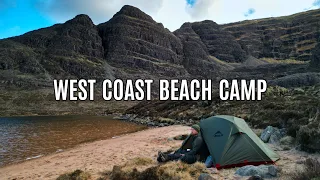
193,149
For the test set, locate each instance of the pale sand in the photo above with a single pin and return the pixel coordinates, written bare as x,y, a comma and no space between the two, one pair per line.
98,156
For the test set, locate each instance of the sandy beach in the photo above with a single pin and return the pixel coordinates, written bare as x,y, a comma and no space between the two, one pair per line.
98,156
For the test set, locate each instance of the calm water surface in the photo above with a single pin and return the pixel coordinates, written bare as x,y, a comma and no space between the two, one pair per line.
23,138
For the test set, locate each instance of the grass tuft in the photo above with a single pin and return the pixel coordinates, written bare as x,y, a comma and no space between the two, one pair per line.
139,161
286,61
311,170
75,175
168,171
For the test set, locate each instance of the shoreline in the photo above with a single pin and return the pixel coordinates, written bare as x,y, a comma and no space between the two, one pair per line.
70,148
148,121
11,157
97,156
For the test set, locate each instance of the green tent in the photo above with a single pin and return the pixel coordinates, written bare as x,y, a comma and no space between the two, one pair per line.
232,143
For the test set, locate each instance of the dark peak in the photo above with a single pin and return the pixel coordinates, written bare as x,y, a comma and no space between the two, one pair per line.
186,25
185,28
208,22
134,12
82,19
161,25
129,8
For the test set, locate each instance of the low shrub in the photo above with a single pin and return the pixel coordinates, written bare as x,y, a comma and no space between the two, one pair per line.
75,175
310,171
168,171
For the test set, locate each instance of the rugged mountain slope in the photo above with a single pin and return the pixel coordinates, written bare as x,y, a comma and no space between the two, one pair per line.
76,36
132,39
197,59
284,37
132,33
132,45
70,50
219,42
315,59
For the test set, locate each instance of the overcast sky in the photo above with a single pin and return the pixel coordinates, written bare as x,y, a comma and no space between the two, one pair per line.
20,16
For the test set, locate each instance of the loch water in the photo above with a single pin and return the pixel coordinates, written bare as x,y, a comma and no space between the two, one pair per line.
25,138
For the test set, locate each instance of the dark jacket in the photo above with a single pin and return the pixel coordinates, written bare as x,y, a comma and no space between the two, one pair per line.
198,150
196,145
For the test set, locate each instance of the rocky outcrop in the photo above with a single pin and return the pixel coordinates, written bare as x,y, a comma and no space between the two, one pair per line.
315,58
77,36
284,37
133,39
70,50
220,43
265,135
196,56
264,171
132,45
297,80
192,43
272,135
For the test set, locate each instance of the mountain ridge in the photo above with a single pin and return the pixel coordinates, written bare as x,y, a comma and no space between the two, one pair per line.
132,45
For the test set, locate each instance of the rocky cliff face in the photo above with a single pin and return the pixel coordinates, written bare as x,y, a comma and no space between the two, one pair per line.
285,37
219,43
132,45
197,59
133,39
70,50
77,36
315,59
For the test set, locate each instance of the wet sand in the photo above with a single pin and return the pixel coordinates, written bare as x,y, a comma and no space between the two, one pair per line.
97,157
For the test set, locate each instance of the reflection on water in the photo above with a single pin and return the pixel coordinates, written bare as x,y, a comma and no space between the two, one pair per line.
23,138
